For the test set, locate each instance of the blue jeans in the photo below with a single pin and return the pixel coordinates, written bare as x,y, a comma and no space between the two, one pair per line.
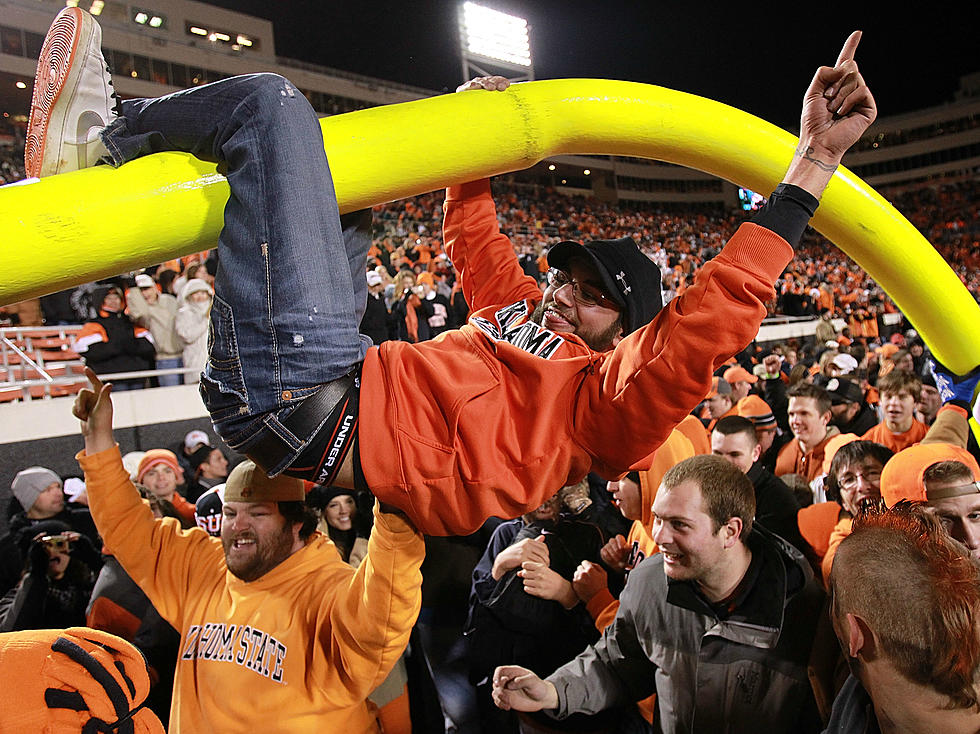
290,289
171,363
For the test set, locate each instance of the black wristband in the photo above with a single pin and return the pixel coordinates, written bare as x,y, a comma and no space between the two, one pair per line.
787,212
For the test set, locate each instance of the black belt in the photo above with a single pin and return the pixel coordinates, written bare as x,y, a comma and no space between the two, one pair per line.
270,449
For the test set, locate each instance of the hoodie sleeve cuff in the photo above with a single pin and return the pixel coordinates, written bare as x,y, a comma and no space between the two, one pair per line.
469,190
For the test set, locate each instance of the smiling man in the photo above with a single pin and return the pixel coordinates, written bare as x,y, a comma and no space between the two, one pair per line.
270,608
809,420
723,601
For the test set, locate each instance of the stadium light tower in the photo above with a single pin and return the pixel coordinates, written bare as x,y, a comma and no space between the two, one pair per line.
494,43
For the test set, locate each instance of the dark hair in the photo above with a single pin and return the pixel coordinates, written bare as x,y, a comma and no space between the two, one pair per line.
850,454
297,511
808,390
732,424
898,381
899,355
166,278
725,491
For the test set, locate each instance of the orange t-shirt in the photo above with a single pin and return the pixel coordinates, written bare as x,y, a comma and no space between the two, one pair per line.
897,441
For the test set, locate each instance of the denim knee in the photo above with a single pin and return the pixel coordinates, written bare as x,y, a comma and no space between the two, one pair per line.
267,90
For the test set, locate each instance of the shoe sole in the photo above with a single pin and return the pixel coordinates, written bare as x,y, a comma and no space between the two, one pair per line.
54,71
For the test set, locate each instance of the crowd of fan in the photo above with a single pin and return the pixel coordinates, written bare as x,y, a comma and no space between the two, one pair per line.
825,430
813,426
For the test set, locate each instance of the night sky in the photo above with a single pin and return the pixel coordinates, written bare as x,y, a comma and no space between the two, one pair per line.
758,57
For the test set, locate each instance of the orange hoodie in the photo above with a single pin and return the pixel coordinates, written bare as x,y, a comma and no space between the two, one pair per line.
527,410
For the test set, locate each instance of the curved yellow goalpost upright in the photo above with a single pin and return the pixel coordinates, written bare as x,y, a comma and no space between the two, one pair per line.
77,227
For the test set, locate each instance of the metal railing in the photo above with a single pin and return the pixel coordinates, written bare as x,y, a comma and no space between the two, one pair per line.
44,389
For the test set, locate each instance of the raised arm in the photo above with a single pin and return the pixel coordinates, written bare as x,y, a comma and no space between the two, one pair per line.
482,255
837,109
126,523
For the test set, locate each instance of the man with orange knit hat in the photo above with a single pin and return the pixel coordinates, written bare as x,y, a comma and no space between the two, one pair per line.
160,472
766,430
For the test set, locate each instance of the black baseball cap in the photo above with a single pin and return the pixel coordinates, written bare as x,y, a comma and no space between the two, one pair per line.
629,277
844,391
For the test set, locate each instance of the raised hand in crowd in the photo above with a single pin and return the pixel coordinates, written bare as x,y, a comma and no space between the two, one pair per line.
93,407
615,553
589,579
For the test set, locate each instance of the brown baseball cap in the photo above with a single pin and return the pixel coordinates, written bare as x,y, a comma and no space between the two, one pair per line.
249,483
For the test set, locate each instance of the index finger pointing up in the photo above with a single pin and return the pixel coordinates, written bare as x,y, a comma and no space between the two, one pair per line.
850,46
93,379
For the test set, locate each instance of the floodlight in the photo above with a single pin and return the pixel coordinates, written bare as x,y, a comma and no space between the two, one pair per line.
156,21
97,6
141,17
494,35
20,85
197,31
244,40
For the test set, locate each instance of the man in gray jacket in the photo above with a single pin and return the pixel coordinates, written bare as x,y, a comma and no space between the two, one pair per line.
719,624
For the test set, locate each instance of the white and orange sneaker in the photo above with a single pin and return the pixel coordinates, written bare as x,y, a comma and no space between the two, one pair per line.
73,98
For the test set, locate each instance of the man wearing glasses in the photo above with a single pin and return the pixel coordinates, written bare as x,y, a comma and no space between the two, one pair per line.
489,419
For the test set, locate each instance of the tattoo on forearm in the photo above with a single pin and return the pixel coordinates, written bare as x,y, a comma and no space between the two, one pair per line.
807,155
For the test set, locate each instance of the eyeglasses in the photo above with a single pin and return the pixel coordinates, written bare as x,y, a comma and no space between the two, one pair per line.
850,481
587,295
